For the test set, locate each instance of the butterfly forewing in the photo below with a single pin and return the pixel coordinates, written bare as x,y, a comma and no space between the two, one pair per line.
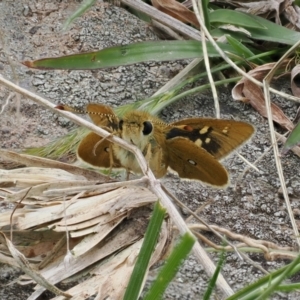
217,137
103,116
192,162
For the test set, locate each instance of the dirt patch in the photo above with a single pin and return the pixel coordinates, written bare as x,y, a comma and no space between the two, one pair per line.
251,206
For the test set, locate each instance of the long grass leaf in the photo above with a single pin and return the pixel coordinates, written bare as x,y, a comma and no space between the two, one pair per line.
141,266
213,280
253,290
82,8
168,271
229,16
259,28
128,54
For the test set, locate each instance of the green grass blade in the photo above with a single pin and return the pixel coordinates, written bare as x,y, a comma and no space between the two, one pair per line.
164,102
213,280
168,271
60,147
233,17
274,33
206,14
82,8
243,51
128,54
264,30
288,287
141,266
255,289
275,283
293,139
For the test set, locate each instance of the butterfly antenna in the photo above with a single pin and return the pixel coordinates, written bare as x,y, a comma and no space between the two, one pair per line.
70,109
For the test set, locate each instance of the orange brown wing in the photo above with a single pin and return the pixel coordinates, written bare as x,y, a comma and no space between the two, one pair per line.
193,162
96,152
218,137
103,116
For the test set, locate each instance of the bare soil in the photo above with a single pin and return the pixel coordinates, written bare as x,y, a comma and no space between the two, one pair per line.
251,206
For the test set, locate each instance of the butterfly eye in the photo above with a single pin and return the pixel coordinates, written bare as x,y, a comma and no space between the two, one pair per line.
121,124
147,128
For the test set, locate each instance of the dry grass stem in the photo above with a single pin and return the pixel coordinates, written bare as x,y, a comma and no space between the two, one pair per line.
198,9
167,30
34,161
251,165
163,18
270,250
266,83
10,96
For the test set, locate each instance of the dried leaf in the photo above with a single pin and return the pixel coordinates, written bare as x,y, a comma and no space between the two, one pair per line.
28,269
34,161
294,77
110,279
33,176
177,11
235,29
105,224
247,91
292,13
119,268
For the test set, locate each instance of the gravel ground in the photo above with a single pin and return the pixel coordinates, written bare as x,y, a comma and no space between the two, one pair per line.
251,206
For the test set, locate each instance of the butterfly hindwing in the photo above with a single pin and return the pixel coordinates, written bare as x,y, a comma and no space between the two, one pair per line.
192,162
96,152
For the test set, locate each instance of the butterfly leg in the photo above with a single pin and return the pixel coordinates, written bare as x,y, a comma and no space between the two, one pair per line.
111,159
99,143
155,160
127,174
158,162
148,154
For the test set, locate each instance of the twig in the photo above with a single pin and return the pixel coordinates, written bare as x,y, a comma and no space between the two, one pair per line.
34,161
10,96
270,250
247,162
14,73
12,213
164,18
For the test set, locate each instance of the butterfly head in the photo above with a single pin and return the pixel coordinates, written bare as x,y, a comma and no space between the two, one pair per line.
137,129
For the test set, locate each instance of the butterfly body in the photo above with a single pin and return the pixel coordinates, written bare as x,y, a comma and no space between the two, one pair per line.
191,147
148,136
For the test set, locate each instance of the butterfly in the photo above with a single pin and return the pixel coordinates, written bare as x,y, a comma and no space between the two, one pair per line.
191,147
